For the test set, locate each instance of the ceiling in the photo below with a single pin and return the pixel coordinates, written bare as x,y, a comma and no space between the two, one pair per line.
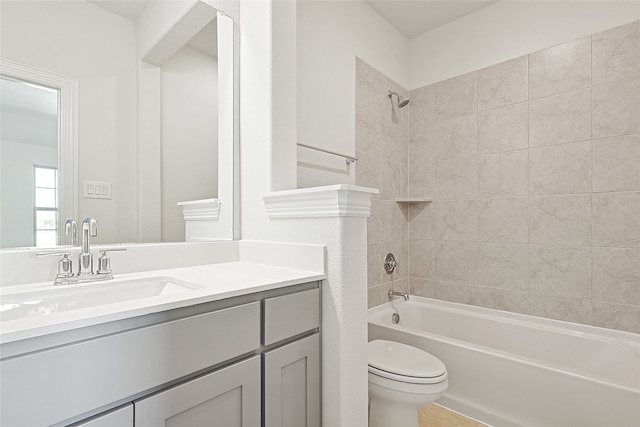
414,17
206,41
410,17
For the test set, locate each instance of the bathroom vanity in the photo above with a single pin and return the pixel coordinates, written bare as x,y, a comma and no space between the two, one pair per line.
242,351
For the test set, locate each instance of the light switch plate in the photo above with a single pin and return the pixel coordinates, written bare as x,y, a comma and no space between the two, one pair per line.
96,190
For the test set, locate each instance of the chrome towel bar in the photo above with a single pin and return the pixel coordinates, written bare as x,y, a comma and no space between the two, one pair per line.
348,159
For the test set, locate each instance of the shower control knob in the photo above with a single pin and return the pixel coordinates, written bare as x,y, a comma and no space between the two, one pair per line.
390,263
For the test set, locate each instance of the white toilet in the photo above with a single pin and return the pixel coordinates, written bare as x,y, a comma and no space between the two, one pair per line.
401,380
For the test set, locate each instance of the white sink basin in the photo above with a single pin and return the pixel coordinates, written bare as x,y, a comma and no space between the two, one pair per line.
74,297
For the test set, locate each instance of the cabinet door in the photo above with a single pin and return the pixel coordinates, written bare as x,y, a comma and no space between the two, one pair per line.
121,417
292,384
229,397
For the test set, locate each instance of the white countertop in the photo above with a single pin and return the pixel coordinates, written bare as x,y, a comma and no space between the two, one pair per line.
218,281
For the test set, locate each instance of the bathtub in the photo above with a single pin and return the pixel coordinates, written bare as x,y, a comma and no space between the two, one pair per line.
507,369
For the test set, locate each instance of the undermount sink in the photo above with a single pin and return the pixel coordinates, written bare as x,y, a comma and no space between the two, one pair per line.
73,297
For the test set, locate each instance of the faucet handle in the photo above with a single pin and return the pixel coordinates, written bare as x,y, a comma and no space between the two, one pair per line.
104,262
65,266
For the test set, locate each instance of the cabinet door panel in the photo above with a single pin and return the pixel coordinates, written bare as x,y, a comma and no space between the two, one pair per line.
229,397
121,417
292,384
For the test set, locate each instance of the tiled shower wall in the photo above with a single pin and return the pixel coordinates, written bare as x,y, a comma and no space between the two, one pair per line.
534,166
381,148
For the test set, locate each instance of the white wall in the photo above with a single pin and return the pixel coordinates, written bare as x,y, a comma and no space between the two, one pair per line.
507,30
189,135
329,37
81,40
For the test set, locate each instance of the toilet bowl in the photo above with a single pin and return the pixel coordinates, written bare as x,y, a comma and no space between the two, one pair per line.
401,380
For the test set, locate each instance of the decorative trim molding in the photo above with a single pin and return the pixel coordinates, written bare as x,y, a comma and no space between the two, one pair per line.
320,202
201,210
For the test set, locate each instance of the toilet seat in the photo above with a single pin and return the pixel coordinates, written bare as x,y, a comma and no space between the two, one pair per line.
406,379
400,362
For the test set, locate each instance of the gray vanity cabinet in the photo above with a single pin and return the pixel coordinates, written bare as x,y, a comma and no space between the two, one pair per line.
246,361
229,397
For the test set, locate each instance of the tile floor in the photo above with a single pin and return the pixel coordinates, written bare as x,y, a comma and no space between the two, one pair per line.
433,415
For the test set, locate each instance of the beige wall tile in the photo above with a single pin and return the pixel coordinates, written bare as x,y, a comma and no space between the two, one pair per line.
616,109
455,292
393,143
456,220
368,133
422,104
560,169
616,53
421,253
564,220
456,261
421,142
421,287
503,265
616,219
616,275
560,69
373,223
373,264
368,81
559,119
456,137
503,174
456,179
616,164
503,220
456,97
560,270
393,220
421,220
421,179
393,179
503,129
373,297
617,316
503,84
557,307
368,170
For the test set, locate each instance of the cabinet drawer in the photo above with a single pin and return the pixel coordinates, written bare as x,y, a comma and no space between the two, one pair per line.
68,381
289,315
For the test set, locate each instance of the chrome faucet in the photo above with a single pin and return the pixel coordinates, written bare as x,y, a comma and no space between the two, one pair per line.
393,293
71,227
85,259
85,273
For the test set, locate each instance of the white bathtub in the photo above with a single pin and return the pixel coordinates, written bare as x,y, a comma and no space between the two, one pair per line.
508,369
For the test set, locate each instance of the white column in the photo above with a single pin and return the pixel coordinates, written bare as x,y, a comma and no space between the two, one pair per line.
335,216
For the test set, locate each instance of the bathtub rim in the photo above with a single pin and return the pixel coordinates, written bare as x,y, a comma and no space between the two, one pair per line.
375,317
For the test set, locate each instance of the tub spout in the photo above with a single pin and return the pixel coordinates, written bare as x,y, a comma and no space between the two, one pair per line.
393,293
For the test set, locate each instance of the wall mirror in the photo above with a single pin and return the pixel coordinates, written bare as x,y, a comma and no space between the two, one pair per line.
129,106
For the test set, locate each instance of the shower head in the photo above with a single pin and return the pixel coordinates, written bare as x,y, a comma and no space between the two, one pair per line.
402,101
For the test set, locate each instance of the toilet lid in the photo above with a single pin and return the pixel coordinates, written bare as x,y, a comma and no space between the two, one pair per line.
404,360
